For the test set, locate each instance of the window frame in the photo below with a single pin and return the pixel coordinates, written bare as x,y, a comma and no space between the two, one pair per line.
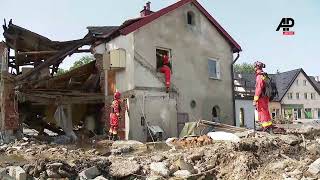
290,95
169,54
305,82
297,95
192,15
313,96
218,69
305,95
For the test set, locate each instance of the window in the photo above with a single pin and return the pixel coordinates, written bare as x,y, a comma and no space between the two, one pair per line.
304,82
305,95
214,69
297,82
190,18
241,117
313,96
297,95
318,113
216,114
159,53
290,96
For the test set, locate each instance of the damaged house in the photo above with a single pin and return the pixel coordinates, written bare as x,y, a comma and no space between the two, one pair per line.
127,58
201,55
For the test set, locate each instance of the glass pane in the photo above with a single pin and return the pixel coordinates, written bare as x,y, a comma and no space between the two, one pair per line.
212,66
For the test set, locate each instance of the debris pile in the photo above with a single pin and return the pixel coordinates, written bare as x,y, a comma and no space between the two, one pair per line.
261,156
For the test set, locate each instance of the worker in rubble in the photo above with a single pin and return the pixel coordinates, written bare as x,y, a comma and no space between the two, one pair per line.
260,101
115,116
166,69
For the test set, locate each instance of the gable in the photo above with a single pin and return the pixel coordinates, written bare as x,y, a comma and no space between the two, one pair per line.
148,19
172,31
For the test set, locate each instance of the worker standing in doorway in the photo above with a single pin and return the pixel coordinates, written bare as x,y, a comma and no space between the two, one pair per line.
261,101
166,70
115,116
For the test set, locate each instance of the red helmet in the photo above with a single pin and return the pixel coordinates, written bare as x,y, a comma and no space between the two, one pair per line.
259,65
117,95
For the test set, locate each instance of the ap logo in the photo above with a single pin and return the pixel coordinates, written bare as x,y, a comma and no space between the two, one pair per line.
286,24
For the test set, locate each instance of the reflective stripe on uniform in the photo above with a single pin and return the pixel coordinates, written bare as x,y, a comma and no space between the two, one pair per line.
266,124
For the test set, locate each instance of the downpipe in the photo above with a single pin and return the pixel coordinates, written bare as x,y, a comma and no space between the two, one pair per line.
233,94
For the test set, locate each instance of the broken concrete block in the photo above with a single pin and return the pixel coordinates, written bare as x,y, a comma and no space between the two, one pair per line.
155,178
52,174
158,158
160,168
18,173
4,175
100,178
89,173
182,173
290,139
223,136
124,168
196,156
314,168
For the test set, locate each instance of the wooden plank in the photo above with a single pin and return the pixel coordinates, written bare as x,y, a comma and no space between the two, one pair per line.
223,126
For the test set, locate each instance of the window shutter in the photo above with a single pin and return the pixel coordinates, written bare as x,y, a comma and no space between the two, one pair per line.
218,70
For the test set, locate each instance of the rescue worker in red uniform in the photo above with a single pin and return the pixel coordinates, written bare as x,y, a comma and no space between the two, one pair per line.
115,116
166,70
260,101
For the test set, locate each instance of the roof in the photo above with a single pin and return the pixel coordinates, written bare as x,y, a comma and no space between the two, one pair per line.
283,81
23,40
100,30
135,24
316,83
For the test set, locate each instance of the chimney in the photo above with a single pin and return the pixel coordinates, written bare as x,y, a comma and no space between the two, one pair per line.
146,10
148,5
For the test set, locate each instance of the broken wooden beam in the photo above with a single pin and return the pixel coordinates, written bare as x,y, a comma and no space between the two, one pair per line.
54,59
50,52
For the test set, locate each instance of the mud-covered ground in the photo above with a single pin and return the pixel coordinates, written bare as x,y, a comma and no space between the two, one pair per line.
261,156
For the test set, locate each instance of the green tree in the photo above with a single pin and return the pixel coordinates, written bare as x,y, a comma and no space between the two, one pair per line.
244,68
60,71
82,61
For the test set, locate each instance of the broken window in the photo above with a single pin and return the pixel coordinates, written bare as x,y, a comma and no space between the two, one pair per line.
214,69
190,18
161,52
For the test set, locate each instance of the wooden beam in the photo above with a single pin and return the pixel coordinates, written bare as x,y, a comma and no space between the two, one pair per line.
49,52
54,59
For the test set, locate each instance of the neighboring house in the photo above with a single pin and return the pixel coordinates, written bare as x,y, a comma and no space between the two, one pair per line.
244,85
201,53
298,97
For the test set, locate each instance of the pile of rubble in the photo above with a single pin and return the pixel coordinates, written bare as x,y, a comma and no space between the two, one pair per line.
257,156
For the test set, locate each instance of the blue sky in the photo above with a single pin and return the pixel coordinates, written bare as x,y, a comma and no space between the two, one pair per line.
252,23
